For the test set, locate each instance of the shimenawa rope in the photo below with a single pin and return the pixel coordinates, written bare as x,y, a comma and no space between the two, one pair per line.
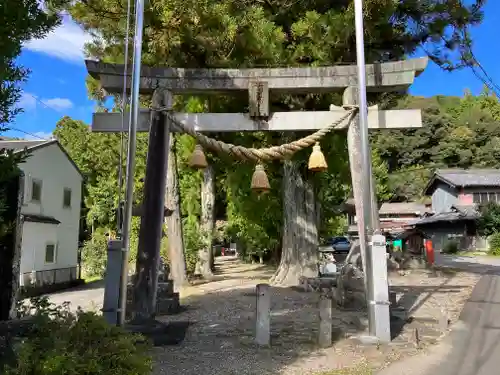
267,153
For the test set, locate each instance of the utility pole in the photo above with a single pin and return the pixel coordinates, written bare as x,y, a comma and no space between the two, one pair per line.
132,132
378,323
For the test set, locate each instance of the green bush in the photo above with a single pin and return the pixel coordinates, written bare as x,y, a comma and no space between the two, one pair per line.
494,241
451,247
194,240
65,343
94,254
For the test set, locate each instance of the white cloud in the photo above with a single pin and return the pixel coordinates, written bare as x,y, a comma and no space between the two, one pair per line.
27,101
59,104
65,42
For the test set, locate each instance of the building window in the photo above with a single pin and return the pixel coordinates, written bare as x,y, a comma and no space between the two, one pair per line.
50,253
67,198
484,198
36,190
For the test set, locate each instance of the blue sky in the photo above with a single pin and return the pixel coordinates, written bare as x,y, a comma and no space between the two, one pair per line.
56,86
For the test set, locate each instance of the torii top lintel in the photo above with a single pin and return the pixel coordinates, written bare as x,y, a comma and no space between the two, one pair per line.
389,76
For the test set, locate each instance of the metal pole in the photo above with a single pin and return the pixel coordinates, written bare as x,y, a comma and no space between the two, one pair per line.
129,190
119,212
366,160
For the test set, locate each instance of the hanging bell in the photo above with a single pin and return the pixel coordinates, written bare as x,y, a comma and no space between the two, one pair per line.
198,159
260,182
317,162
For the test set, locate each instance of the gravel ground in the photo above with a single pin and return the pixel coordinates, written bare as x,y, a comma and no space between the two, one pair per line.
221,312
220,340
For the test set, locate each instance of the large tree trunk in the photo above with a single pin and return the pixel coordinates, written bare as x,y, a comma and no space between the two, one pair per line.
300,231
174,222
152,218
10,247
206,255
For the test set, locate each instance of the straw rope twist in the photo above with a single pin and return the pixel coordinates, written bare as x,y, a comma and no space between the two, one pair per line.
265,154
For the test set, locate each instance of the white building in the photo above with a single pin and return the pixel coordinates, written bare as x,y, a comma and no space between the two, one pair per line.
50,212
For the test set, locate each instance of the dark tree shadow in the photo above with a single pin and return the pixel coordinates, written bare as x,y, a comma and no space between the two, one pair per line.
220,338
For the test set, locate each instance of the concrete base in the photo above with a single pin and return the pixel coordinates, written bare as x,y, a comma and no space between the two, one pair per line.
168,305
158,333
167,301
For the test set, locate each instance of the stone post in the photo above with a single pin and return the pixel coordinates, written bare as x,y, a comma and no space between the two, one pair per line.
379,309
325,321
263,316
112,282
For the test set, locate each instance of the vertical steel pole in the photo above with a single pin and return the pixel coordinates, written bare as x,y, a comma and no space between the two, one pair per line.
119,212
132,130
366,162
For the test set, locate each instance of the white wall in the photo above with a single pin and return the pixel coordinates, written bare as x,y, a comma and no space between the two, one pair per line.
50,165
35,237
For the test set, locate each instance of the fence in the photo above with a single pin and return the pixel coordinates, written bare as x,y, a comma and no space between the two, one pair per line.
49,277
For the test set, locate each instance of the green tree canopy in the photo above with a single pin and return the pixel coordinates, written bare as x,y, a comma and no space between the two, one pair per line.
20,21
249,33
456,133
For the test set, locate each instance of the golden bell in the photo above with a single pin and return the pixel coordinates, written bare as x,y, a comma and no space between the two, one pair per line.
317,162
198,159
260,182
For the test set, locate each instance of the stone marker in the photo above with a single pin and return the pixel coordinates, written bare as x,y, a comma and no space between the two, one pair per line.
263,316
325,321
112,282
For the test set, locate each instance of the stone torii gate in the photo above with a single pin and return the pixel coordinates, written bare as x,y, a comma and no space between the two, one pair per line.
163,83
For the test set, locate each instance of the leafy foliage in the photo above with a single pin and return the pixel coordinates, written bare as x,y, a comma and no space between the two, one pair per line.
494,241
94,255
239,34
489,222
98,157
8,171
456,133
66,343
451,247
20,21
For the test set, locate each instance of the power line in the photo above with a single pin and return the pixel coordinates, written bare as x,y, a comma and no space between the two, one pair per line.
488,77
40,101
28,133
471,61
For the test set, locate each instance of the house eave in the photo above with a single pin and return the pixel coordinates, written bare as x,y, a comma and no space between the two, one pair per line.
434,179
41,219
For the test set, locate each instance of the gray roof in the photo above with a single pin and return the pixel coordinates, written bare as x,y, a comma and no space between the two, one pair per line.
408,208
388,208
18,145
456,213
465,178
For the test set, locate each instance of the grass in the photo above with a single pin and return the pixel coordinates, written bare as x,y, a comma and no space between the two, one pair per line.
89,279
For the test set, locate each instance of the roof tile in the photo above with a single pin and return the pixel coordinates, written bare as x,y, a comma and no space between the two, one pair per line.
470,177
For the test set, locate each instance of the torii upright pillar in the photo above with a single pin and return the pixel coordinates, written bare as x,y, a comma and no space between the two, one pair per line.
392,76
